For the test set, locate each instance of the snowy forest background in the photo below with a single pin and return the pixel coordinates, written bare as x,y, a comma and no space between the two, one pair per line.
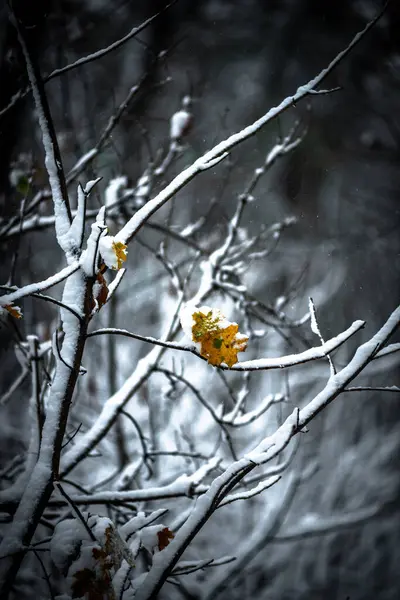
322,222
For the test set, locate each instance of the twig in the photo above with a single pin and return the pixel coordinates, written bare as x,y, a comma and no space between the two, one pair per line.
268,449
250,365
361,388
34,364
90,57
32,288
54,166
45,573
221,150
75,510
145,451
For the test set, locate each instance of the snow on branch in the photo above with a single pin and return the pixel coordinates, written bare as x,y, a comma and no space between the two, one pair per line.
258,364
221,150
390,349
238,420
245,495
34,288
183,486
116,403
39,486
110,411
114,46
54,168
297,359
90,57
338,382
268,449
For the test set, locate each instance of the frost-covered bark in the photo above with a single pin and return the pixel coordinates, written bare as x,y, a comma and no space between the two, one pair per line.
36,491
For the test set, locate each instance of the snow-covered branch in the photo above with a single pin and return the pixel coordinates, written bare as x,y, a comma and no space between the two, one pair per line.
269,448
221,150
189,449
34,288
90,57
258,364
182,487
338,382
54,168
39,486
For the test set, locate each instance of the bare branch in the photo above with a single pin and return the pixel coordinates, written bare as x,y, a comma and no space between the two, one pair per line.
249,365
90,57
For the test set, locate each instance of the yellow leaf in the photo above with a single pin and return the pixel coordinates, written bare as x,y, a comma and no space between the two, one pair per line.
120,252
14,311
220,340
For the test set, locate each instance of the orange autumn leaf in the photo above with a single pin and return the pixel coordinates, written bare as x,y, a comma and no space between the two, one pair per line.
103,293
163,538
220,340
87,584
120,252
14,311
99,293
96,583
83,583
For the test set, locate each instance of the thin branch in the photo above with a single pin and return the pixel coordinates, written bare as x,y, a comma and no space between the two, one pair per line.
239,420
90,57
179,454
245,495
36,399
71,437
7,395
189,566
45,573
32,288
145,451
75,510
181,488
390,349
143,338
250,365
204,403
339,382
316,330
46,299
268,449
54,166
221,150
18,243
361,388
113,121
